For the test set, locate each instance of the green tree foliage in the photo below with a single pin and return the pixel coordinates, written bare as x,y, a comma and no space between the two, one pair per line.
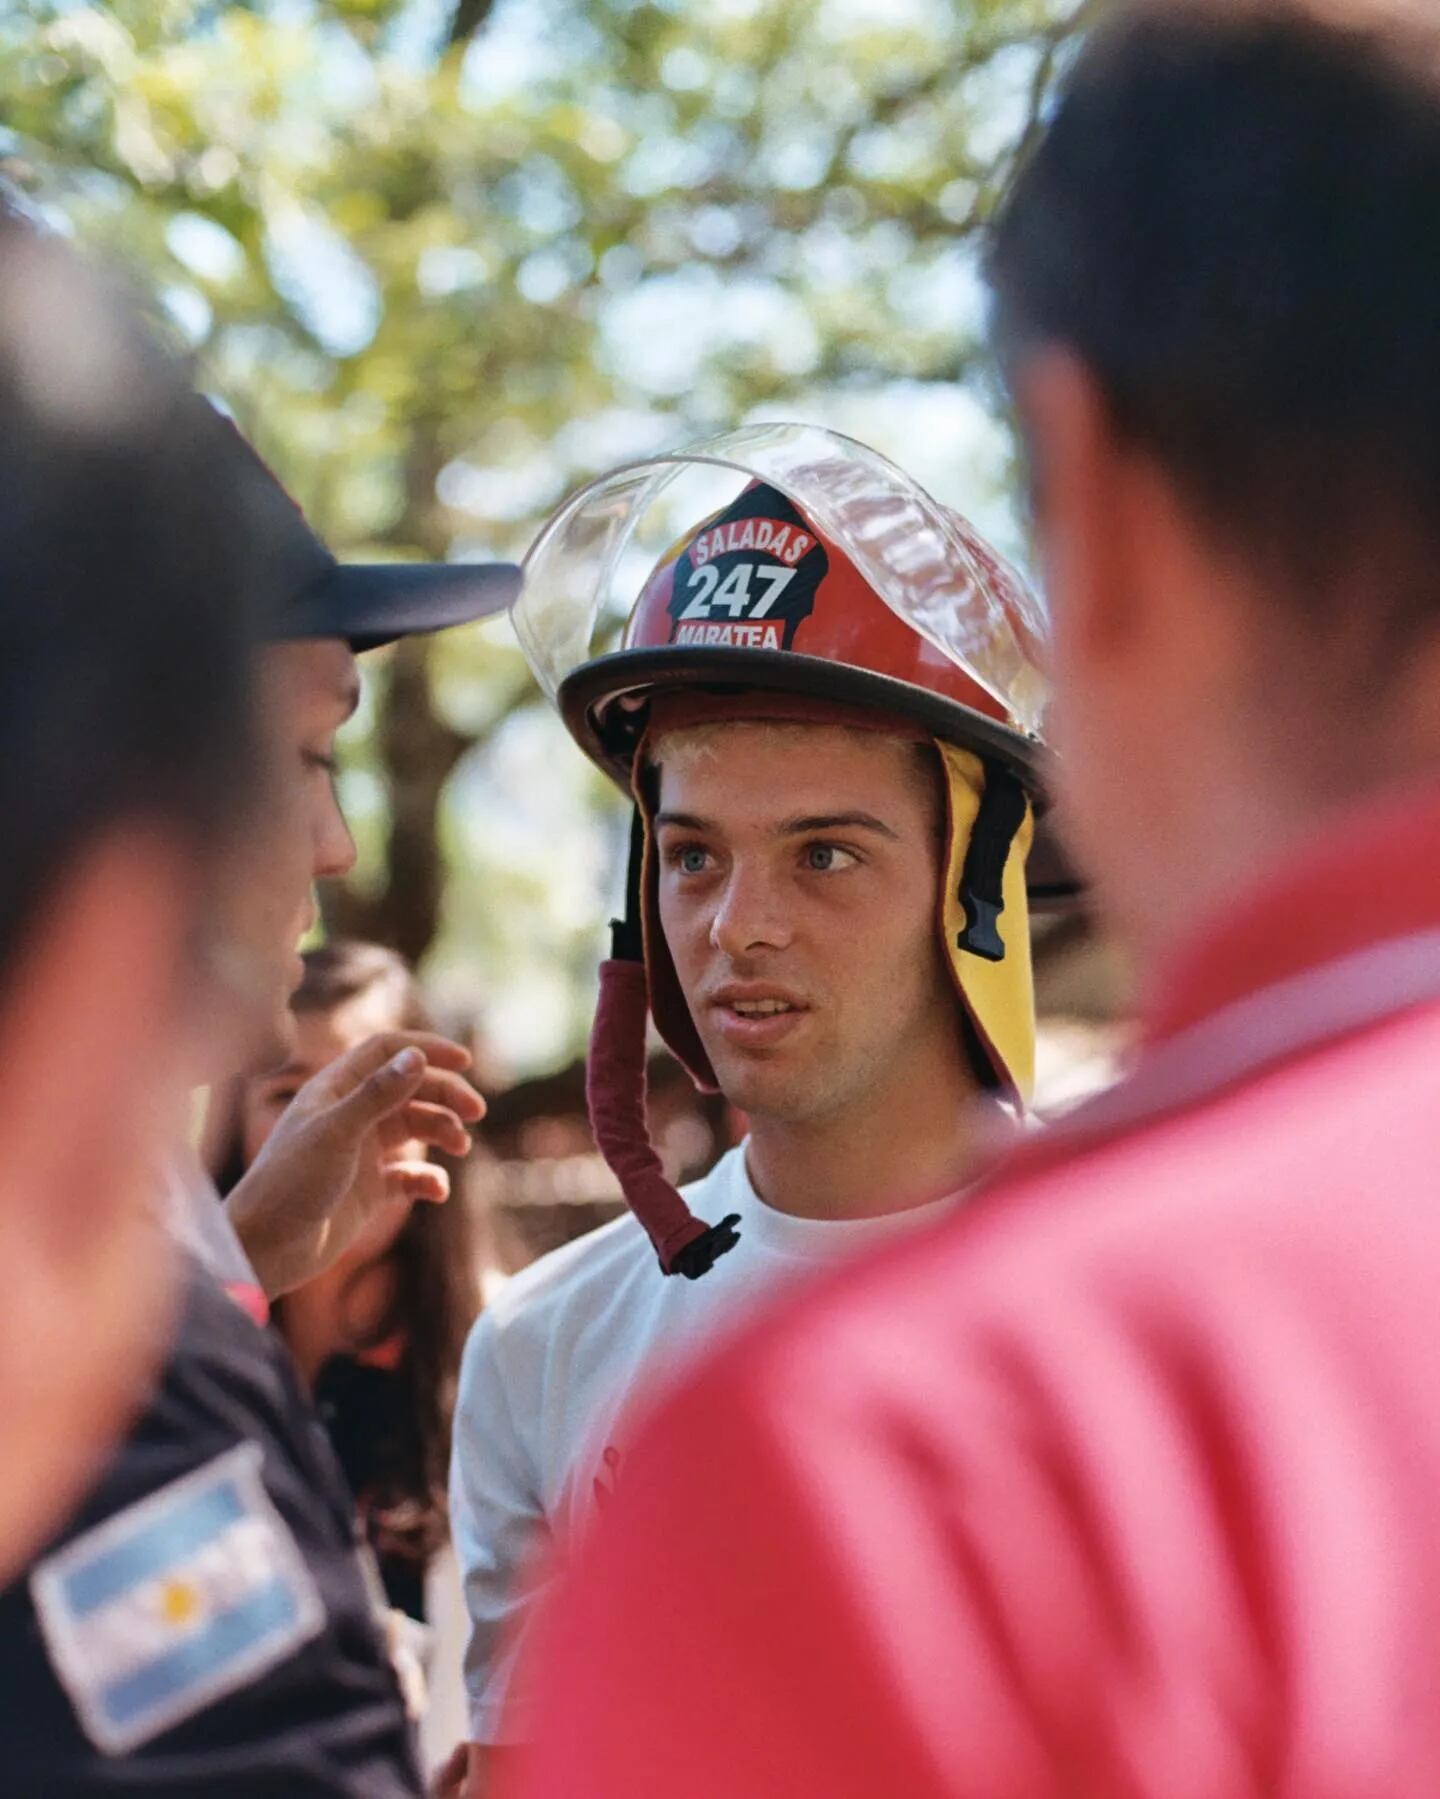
446,260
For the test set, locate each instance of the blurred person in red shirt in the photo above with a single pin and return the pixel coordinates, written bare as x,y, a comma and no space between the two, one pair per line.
1126,1478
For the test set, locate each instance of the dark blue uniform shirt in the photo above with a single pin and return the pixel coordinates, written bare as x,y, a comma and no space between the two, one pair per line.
203,1625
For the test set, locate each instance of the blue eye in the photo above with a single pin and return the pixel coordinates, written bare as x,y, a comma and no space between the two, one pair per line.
691,860
827,858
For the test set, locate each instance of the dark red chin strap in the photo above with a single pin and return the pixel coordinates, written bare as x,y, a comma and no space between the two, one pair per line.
615,1082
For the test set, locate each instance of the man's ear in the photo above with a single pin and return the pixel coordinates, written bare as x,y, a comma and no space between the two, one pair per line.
1136,583
92,1090
1081,481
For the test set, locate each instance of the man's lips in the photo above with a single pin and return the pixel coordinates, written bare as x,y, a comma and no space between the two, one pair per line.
755,1015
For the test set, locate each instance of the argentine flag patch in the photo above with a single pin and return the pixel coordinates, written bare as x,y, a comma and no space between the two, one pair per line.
181,1598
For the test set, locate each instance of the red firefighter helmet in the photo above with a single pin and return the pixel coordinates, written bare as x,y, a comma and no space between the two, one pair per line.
845,581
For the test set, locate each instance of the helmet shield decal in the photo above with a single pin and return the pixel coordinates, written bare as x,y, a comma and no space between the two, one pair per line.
748,578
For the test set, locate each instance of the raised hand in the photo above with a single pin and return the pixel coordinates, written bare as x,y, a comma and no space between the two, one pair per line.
350,1143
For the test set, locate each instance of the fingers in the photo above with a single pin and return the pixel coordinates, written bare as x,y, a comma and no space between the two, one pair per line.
437,1113
381,1093
368,1058
439,1052
416,1181
364,1087
452,1091
436,1126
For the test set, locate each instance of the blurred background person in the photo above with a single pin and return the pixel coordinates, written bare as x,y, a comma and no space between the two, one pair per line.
377,1337
125,574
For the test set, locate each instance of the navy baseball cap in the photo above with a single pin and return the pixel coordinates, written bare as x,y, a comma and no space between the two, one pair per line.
311,594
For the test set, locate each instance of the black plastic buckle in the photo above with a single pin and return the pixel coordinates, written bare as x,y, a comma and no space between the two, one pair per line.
700,1257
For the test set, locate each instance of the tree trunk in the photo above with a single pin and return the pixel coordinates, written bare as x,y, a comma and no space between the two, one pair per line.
417,752
468,17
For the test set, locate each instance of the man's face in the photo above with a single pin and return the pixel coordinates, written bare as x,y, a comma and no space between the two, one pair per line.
798,871
310,689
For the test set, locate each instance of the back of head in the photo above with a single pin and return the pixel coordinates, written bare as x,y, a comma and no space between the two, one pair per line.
1231,222
126,607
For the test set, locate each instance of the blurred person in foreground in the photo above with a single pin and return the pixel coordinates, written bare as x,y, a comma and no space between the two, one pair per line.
1126,1479
377,1336
124,569
203,1621
827,917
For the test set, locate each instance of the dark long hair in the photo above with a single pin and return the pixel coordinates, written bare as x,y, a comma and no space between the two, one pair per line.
392,1429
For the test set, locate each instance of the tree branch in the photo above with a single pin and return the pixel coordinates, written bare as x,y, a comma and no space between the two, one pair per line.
467,19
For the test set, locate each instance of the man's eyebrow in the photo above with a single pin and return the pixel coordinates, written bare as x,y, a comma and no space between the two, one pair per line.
837,821
790,827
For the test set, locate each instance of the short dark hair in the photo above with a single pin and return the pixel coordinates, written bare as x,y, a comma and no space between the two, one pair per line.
1233,220
343,968
128,617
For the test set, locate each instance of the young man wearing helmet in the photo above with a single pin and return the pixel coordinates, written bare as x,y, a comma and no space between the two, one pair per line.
823,709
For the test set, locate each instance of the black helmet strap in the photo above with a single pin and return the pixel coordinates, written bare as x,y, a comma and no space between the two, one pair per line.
982,882
627,936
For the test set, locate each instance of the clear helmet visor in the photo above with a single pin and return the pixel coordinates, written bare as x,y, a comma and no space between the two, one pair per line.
594,556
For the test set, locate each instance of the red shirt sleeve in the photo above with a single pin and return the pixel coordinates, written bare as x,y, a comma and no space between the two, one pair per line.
897,1543
756,1613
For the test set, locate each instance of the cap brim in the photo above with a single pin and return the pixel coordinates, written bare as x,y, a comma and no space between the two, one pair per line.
370,604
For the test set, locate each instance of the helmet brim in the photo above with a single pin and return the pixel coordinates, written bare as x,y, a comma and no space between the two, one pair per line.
591,701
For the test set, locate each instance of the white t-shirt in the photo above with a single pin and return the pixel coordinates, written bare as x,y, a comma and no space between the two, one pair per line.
548,1384
195,1216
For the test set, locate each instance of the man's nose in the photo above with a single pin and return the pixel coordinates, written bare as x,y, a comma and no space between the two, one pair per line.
750,915
334,846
